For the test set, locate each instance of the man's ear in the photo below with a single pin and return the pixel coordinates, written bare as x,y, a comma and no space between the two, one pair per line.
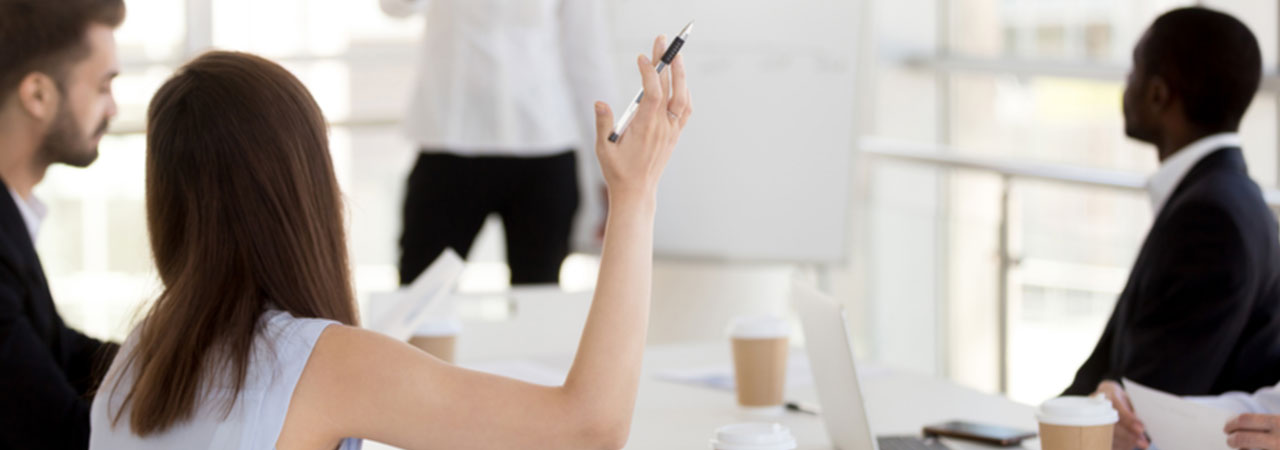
1158,96
38,94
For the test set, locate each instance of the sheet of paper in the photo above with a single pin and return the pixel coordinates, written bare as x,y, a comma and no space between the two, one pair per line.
428,296
1177,424
711,377
799,374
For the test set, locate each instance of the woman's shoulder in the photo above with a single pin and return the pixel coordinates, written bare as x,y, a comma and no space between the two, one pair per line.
350,342
352,374
343,353
328,346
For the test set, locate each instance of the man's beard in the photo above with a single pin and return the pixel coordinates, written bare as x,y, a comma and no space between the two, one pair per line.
63,143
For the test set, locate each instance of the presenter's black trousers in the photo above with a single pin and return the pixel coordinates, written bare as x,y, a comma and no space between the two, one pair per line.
448,197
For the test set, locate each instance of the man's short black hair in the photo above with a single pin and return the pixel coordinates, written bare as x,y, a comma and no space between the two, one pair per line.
44,35
1210,60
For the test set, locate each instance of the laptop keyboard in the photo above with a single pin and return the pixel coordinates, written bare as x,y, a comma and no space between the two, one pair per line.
909,443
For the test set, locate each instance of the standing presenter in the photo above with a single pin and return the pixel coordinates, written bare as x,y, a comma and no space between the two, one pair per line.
502,113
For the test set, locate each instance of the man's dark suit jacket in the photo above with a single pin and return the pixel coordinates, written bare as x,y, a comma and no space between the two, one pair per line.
47,371
1200,314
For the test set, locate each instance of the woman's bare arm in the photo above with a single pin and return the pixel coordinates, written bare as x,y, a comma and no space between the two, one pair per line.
361,384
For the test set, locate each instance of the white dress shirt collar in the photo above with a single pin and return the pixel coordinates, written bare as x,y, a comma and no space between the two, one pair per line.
1162,184
33,213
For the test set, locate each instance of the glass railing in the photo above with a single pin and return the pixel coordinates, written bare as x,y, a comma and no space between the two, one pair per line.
1025,259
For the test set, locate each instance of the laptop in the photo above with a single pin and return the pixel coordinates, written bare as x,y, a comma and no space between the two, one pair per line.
831,357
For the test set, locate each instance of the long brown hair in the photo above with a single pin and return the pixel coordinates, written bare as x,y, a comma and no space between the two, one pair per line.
245,214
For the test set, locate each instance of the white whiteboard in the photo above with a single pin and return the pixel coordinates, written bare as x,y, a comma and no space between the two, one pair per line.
762,172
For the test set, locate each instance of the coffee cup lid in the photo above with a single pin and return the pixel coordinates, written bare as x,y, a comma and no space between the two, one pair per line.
1075,411
753,436
759,327
439,326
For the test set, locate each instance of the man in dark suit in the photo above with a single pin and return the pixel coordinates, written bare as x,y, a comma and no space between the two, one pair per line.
57,62
1201,311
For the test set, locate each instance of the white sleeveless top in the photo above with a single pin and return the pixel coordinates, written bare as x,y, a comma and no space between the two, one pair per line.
280,351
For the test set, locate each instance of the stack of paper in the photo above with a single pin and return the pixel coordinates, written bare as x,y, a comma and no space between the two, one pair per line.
1174,423
428,296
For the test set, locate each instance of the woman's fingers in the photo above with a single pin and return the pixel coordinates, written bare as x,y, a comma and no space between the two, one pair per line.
659,49
679,89
688,111
654,97
635,163
604,125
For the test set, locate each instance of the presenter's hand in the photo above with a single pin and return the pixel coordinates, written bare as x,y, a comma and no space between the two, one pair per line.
1260,431
1130,433
633,165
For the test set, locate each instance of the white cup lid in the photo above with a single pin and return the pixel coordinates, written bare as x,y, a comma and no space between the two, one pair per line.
1073,411
439,326
759,327
753,436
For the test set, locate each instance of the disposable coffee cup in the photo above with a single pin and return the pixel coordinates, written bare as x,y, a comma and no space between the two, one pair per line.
439,337
753,436
760,361
1077,423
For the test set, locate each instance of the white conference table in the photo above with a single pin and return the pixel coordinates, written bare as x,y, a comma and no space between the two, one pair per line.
672,415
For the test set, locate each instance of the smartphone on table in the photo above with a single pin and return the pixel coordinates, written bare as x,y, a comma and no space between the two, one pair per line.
982,433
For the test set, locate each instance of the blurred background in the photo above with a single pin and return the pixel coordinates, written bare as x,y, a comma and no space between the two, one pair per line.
985,205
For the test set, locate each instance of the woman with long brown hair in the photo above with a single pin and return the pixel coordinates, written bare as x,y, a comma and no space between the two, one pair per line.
254,341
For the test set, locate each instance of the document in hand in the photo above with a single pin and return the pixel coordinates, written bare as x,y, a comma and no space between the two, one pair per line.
1174,423
427,296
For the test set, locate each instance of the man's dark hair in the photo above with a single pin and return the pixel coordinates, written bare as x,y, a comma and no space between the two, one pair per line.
1209,59
48,35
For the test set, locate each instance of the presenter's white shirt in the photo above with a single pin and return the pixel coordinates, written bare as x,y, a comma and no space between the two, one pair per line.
508,77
